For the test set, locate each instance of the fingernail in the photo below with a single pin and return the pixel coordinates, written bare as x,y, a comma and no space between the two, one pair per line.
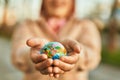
57,75
56,63
29,42
44,56
62,58
78,49
51,75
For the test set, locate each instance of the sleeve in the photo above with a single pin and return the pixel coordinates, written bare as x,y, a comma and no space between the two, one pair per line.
90,43
20,51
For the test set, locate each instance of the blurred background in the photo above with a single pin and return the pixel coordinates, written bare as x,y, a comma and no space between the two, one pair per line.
105,14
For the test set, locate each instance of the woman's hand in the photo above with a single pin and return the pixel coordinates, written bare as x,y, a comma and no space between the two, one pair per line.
49,67
42,63
67,63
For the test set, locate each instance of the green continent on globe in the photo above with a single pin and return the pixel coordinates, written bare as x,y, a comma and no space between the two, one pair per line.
54,50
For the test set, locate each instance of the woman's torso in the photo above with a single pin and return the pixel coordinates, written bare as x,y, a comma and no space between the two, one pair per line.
72,29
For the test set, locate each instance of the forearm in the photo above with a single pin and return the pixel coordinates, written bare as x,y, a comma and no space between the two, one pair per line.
21,58
20,51
89,58
90,42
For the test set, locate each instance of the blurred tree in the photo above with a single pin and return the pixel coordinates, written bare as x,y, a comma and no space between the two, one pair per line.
5,11
1,11
113,24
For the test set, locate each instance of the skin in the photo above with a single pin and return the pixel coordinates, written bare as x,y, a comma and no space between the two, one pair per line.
43,63
85,33
56,9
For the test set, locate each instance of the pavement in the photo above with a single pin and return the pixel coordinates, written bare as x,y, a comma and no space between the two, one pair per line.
8,71
105,72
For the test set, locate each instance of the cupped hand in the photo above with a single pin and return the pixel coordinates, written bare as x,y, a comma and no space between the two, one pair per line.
67,63
41,61
49,67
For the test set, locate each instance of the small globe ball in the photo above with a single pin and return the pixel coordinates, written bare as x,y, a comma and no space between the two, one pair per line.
54,50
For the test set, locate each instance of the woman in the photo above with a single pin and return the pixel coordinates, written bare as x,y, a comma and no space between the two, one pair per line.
56,23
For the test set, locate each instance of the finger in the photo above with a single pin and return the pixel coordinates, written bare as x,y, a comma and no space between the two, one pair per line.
36,56
43,65
51,74
36,42
47,71
72,44
57,70
70,59
62,65
57,75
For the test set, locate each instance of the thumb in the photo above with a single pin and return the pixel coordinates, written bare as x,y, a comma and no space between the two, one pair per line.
36,42
73,44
